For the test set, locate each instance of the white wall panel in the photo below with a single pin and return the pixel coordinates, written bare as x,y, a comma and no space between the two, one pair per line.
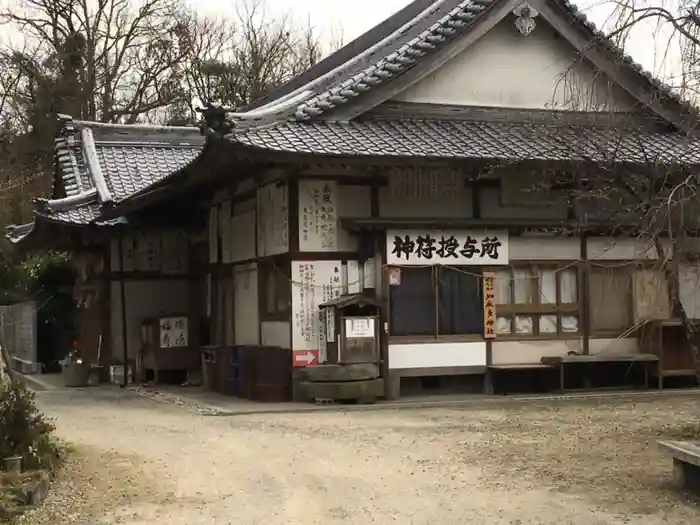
433,355
544,248
246,315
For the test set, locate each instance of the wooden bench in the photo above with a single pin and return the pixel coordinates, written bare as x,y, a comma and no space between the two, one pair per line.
686,463
588,359
509,367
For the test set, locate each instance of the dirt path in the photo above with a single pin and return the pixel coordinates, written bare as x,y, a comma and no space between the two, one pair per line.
165,464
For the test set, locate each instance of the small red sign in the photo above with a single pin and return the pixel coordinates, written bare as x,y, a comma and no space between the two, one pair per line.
305,357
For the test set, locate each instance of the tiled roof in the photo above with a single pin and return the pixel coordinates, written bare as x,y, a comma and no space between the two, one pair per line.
126,158
70,161
84,214
407,44
472,140
129,169
99,164
81,215
400,60
451,25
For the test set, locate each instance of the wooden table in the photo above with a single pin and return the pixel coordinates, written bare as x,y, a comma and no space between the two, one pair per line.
559,362
686,462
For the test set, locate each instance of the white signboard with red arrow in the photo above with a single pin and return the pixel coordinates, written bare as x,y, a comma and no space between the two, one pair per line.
313,283
305,357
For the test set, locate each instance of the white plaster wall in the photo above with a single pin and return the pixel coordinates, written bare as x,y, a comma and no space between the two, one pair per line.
245,309
531,352
506,69
276,333
689,289
144,299
427,355
544,248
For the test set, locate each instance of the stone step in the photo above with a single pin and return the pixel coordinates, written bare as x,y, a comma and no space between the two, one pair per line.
364,391
338,373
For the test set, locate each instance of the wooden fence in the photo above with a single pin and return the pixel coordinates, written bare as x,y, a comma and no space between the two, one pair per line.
18,336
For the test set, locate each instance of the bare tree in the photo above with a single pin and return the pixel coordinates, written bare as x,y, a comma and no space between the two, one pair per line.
114,61
260,54
655,200
675,29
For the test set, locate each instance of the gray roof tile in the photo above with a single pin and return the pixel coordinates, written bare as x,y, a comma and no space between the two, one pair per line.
130,158
472,140
452,24
129,169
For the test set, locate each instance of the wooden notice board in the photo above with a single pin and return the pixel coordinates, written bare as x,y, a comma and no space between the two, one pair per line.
489,305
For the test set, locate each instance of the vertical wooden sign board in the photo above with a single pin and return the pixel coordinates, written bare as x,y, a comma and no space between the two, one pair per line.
489,305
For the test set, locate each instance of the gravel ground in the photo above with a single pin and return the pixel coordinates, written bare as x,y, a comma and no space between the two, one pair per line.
140,461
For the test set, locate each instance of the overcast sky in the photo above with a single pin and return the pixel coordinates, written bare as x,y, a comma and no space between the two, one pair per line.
357,16
333,19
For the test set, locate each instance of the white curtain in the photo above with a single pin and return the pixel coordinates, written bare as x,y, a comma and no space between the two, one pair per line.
568,286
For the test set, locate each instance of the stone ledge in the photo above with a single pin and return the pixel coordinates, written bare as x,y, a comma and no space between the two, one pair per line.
367,391
339,373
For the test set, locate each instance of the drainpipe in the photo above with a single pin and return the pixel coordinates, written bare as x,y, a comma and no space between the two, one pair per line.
122,290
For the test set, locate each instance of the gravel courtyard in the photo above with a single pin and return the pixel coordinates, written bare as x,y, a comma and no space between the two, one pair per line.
139,461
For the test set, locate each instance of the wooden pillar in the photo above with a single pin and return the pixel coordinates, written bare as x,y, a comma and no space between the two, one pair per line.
584,297
122,290
488,378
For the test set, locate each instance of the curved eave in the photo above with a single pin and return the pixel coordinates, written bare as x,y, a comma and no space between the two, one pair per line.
396,139
46,233
197,169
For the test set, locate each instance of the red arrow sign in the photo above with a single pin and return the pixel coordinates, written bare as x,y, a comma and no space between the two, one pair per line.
305,357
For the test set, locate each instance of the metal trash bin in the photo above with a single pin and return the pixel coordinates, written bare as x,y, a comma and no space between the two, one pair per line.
209,371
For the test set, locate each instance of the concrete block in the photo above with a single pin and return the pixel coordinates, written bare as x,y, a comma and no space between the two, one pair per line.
361,390
339,373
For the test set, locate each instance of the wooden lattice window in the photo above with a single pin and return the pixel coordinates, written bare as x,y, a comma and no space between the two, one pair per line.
537,300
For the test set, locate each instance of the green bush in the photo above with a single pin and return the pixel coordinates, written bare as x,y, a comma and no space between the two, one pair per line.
24,431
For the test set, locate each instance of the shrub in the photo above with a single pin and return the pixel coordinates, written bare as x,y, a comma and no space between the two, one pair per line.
24,431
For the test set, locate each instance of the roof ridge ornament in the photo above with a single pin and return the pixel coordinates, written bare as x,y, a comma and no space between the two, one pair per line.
525,18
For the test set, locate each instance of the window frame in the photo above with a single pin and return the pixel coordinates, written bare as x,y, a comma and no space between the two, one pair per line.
437,337
537,309
630,265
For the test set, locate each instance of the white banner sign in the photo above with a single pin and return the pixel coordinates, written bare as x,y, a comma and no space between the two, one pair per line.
464,247
315,282
173,332
318,216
